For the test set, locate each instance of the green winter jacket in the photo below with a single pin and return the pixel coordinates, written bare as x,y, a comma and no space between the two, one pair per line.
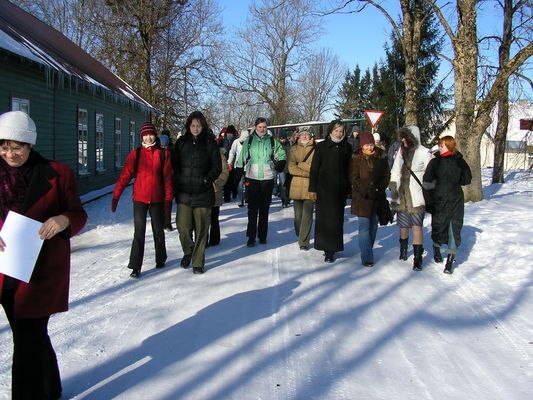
258,156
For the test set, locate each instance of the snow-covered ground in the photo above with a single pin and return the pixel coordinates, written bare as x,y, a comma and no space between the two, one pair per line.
274,322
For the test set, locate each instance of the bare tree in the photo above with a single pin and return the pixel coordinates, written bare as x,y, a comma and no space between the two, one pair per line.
269,54
408,33
315,92
162,48
472,113
234,108
511,12
70,17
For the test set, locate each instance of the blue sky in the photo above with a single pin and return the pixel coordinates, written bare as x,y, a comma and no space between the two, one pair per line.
360,38
355,38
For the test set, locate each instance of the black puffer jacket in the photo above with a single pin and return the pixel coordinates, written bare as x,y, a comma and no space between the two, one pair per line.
449,174
196,165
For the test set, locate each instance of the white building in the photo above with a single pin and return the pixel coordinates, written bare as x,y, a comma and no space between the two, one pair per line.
519,149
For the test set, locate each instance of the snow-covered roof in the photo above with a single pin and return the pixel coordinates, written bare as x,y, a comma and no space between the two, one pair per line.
24,35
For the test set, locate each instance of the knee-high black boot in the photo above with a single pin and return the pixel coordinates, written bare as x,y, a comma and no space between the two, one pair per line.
418,250
448,269
403,249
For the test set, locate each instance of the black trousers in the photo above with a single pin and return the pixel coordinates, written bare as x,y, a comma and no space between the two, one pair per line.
213,237
140,211
35,373
259,195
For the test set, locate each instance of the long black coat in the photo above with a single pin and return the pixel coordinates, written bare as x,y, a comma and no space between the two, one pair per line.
196,164
329,179
449,174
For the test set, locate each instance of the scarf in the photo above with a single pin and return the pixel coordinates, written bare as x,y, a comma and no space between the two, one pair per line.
14,184
336,140
146,146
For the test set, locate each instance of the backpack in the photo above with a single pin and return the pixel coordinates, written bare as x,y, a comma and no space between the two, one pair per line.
279,165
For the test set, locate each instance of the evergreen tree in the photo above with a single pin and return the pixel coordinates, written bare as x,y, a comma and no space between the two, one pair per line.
349,95
431,94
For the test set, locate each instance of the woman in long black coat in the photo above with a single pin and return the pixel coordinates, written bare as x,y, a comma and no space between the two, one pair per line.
329,184
448,171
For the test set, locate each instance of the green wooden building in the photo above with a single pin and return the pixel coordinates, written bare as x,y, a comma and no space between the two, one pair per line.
86,116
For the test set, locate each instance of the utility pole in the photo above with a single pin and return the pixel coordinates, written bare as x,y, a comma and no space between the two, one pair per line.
185,91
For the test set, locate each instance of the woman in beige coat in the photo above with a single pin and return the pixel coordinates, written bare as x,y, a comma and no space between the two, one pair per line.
300,158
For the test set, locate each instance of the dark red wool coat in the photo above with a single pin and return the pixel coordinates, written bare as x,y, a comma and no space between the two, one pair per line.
52,191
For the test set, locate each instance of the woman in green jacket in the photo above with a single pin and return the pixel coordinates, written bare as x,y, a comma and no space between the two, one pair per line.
261,155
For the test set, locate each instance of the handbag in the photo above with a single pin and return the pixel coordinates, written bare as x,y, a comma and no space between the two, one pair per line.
383,210
428,194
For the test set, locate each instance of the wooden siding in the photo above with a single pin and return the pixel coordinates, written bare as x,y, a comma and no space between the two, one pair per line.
54,108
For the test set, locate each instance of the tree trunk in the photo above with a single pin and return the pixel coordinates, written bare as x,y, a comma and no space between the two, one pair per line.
500,138
412,25
465,79
472,117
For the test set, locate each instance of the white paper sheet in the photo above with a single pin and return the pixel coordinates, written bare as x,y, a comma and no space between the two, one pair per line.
23,244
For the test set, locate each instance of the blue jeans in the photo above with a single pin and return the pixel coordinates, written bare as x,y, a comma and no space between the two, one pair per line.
452,247
282,177
368,228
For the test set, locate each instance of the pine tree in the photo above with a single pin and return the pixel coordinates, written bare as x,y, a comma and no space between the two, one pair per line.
431,94
349,95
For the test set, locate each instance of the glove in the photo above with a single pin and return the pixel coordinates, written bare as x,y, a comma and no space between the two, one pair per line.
371,194
167,207
114,203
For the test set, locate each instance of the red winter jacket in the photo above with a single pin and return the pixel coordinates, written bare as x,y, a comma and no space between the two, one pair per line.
53,191
151,186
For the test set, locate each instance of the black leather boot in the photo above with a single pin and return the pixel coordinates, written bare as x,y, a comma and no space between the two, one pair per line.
403,249
136,273
448,269
418,250
436,254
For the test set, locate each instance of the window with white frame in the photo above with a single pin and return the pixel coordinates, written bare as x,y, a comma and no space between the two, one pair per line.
20,104
82,141
132,135
99,136
118,145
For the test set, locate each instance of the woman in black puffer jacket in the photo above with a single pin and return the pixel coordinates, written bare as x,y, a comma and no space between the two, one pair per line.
196,164
447,172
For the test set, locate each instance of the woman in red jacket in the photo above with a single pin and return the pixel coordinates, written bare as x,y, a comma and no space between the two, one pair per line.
45,191
152,192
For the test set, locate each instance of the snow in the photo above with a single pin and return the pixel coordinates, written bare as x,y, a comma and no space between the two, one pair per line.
14,46
274,322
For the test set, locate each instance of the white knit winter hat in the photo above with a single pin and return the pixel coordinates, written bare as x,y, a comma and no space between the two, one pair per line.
18,126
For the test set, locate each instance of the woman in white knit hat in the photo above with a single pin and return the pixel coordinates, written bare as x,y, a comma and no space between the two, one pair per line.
45,191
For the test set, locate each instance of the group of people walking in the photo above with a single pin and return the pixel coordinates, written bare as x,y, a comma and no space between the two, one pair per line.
320,177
